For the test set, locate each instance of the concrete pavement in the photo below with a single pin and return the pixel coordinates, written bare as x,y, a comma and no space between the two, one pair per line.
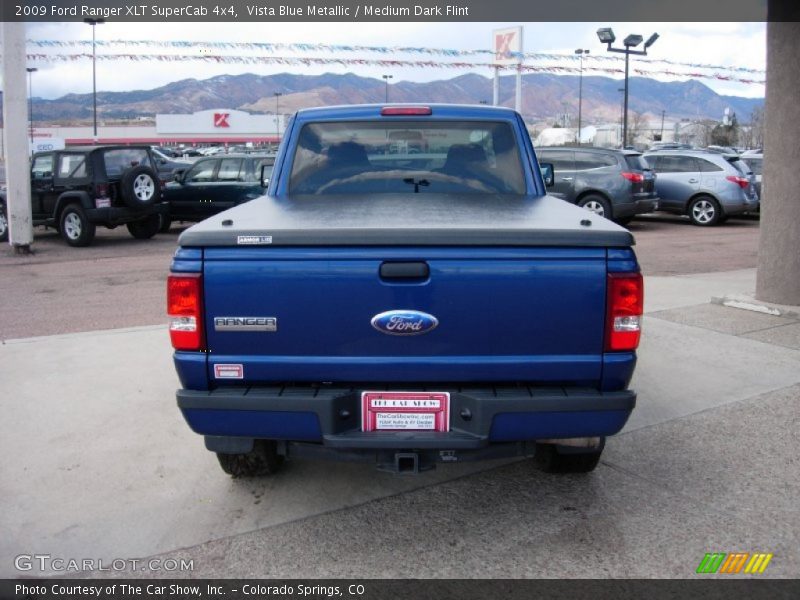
99,464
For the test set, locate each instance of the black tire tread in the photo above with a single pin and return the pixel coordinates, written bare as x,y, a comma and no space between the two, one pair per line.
263,459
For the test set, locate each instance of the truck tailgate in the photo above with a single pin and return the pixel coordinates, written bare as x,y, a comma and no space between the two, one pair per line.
504,314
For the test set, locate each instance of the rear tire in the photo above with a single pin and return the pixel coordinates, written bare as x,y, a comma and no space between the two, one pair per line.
263,459
704,211
75,227
164,224
550,460
3,224
596,204
146,228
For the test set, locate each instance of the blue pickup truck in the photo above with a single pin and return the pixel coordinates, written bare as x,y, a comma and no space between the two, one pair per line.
406,293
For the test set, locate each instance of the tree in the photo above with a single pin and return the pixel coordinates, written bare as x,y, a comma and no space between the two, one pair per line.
636,127
757,128
726,135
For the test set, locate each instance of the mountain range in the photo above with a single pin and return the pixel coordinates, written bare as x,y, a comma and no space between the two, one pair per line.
545,96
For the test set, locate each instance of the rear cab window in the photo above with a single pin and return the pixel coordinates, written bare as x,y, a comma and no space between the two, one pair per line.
119,160
407,157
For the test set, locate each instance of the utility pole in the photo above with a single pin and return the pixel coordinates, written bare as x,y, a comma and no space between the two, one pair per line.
15,119
386,78
580,52
277,117
94,23
663,112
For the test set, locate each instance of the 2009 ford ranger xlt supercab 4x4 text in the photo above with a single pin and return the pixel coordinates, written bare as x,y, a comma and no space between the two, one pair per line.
405,305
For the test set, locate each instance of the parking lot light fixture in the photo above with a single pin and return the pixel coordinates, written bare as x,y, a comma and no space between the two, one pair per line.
94,23
386,78
581,53
277,123
31,71
606,36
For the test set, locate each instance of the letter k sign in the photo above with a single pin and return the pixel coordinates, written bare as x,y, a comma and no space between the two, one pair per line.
221,119
502,45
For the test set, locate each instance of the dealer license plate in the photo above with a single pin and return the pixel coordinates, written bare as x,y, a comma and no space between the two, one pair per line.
405,411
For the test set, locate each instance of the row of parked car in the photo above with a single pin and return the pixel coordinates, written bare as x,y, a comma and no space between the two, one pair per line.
76,189
705,185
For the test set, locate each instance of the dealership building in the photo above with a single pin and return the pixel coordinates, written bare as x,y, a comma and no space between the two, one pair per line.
214,126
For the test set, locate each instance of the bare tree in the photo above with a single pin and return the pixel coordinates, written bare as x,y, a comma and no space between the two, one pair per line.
757,127
636,127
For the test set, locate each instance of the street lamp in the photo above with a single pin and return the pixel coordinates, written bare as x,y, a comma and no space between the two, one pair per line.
606,36
580,52
386,78
31,71
93,23
277,124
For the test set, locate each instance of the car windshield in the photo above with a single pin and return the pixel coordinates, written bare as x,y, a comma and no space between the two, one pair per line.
407,157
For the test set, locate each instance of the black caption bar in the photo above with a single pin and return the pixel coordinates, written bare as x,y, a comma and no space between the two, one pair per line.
412,589
512,11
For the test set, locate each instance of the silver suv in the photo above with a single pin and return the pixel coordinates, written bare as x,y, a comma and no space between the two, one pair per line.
707,186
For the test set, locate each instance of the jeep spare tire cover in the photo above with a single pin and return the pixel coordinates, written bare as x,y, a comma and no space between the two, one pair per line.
140,187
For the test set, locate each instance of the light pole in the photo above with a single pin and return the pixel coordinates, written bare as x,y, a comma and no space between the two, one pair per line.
386,78
580,52
31,71
277,123
606,36
94,23
663,112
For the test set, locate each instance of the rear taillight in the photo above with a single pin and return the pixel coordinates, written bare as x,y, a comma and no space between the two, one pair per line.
185,309
742,182
633,177
624,311
101,190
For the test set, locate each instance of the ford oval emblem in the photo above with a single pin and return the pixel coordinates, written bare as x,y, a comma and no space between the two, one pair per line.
404,322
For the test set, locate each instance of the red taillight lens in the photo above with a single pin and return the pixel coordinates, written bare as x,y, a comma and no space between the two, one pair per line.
625,308
185,309
404,111
742,182
101,190
633,177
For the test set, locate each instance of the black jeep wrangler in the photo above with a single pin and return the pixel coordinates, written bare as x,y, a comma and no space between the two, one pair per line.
75,189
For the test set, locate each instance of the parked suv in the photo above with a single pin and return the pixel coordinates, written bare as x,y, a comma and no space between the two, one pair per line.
212,185
707,186
616,184
755,160
75,189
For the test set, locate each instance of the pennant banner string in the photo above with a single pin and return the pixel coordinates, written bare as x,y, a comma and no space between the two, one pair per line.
387,50
294,60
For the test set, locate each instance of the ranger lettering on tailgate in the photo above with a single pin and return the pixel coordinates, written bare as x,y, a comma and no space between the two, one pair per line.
435,303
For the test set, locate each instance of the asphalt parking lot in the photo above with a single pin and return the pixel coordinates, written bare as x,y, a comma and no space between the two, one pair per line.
120,281
103,466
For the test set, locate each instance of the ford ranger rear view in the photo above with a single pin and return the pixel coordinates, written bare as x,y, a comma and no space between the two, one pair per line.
404,304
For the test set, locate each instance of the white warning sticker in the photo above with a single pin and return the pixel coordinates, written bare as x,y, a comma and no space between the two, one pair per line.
229,371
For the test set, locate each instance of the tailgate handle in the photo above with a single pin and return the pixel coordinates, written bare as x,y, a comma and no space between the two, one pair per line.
405,270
